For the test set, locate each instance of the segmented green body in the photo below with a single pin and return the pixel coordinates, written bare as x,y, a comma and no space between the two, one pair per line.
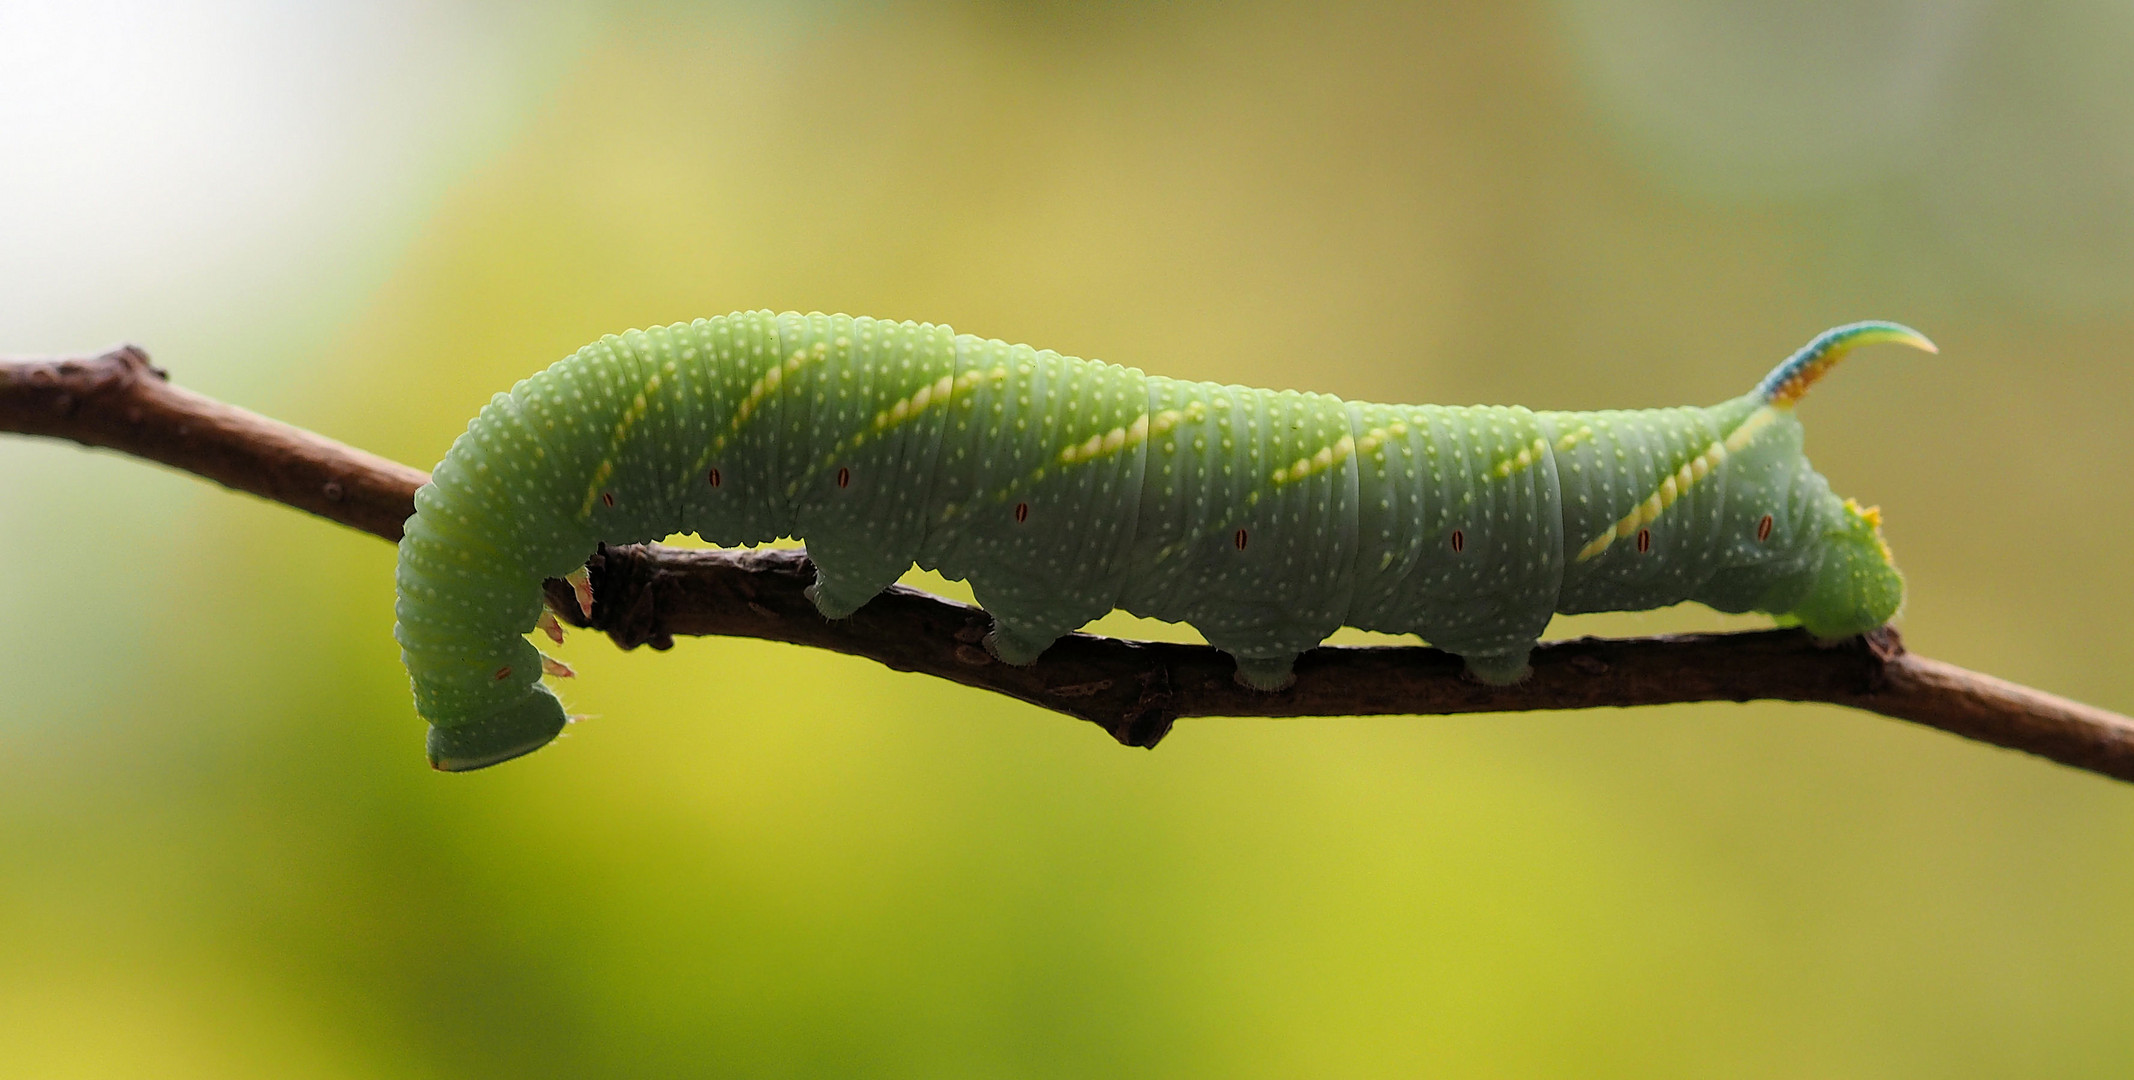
1062,488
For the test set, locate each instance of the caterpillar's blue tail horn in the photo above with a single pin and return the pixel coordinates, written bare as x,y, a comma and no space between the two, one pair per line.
1791,379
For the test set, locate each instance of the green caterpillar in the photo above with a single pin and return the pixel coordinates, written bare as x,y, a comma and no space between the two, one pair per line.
1063,488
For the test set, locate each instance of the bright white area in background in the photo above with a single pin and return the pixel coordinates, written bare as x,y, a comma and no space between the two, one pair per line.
178,167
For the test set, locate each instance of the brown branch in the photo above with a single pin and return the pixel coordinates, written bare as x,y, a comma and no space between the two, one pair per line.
122,401
645,594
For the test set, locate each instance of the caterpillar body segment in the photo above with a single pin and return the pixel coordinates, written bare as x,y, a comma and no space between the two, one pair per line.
1062,488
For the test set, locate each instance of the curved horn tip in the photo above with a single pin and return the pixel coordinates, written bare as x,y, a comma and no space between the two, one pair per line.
1876,332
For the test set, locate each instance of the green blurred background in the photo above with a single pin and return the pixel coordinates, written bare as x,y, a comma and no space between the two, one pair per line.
221,855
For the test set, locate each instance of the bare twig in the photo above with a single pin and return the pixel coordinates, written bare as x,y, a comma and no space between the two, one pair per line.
122,401
645,594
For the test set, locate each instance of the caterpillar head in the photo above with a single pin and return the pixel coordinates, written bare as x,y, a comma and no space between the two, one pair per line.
1856,587
524,726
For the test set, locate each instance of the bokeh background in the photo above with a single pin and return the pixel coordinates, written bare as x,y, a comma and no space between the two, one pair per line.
221,855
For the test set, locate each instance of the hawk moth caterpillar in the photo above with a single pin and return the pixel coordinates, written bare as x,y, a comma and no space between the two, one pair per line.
1062,488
